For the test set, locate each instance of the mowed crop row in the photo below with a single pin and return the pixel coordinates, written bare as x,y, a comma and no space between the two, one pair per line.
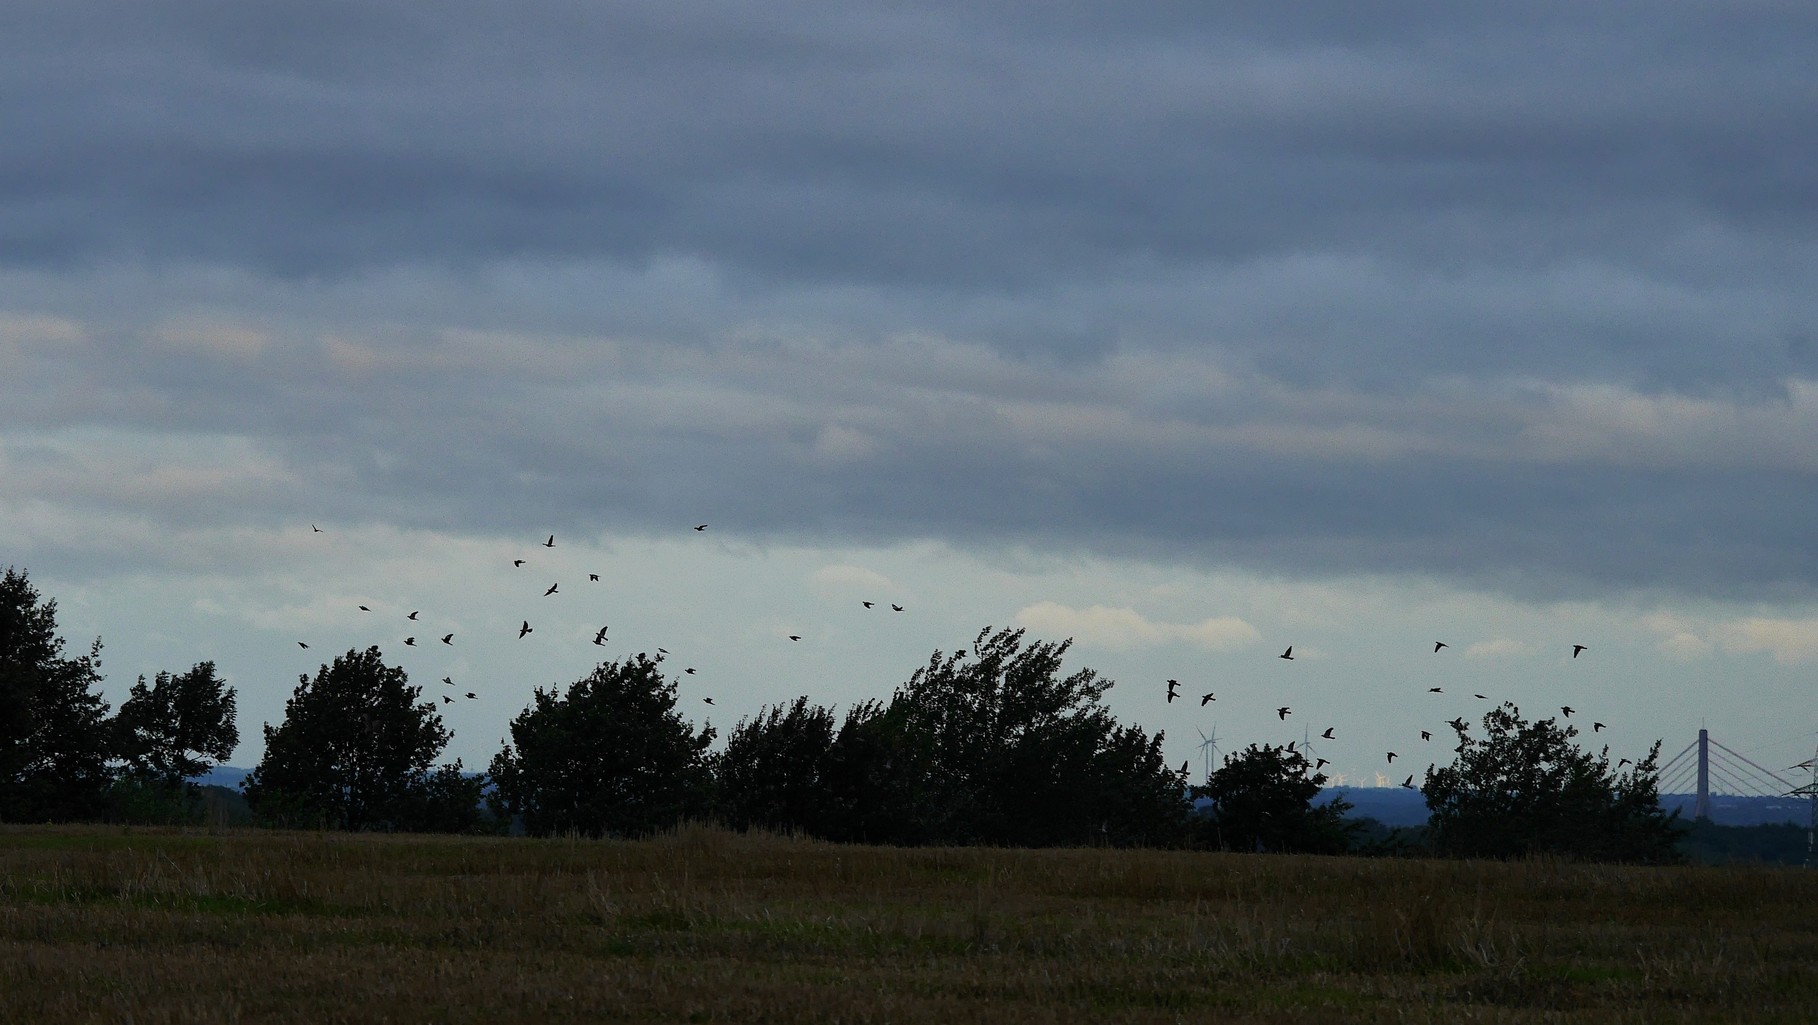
105,924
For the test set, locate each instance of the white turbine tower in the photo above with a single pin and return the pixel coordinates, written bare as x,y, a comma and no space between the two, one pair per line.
1208,748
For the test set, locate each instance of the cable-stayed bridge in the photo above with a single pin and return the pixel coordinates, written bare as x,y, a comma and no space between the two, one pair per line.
1707,780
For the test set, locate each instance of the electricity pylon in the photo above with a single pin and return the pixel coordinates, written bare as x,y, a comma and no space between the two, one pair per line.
1810,790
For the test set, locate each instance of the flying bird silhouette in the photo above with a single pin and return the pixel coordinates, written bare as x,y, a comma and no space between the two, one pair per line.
1436,690
896,608
315,528
689,670
448,680
1391,756
1576,648
300,644
446,700
1438,645
517,562
1173,687
552,590
1319,764
701,527
868,604
550,543
1207,696
410,642
471,696
1408,783
1424,735
1284,711
522,630
1328,734
448,638
600,638
795,637
1622,762
593,577
413,615
1567,709
364,609
1183,767
1481,697
1597,727
708,700
1289,654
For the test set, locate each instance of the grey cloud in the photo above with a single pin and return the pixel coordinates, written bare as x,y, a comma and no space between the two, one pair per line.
885,147
1528,490
803,267
1334,196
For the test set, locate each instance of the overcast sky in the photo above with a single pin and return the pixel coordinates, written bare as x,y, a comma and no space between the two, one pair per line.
1189,333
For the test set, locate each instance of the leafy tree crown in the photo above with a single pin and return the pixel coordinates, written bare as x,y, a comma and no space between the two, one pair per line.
1526,788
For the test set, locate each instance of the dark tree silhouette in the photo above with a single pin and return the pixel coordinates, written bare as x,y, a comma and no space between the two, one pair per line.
178,727
996,745
771,774
877,778
354,752
1525,788
610,756
54,731
165,734
1139,799
1262,800
446,800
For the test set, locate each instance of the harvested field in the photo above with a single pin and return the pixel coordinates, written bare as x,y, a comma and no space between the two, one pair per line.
110,925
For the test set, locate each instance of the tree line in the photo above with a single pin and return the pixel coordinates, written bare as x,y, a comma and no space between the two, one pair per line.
63,756
994,744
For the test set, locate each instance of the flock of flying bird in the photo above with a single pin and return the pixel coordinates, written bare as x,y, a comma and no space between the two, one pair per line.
525,629
1330,732
1173,685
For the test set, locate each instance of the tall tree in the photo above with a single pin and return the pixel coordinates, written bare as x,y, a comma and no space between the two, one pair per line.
772,772
1000,746
1262,800
1139,798
609,756
1527,788
170,731
878,778
54,729
354,750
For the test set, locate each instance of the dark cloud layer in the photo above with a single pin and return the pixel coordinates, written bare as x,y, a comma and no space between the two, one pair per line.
1519,297
898,145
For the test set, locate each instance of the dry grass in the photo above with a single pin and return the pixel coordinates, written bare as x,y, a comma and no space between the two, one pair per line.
111,925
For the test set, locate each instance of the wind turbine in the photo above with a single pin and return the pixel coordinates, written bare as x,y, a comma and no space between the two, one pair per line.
1208,748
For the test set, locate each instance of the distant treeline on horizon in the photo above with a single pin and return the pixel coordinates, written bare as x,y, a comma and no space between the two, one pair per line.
1394,806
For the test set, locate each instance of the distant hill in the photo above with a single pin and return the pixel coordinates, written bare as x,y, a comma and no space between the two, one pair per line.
1744,811
228,776
1393,806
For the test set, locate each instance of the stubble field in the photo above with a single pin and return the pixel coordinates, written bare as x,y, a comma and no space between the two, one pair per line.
115,925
